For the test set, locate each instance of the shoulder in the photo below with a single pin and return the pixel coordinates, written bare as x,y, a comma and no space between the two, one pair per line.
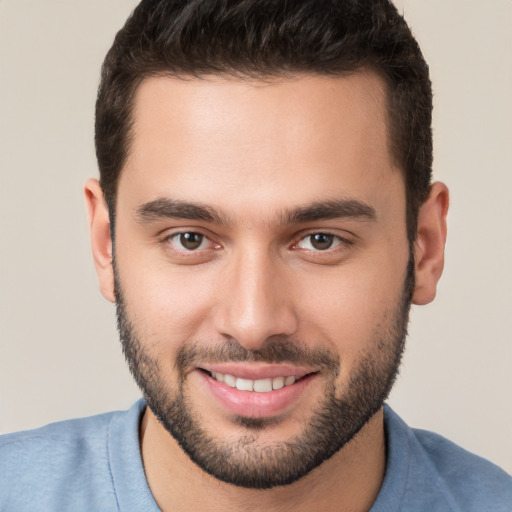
63,465
464,477
440,475
64,441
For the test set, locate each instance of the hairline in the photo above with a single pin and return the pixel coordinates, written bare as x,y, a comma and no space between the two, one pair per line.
256,76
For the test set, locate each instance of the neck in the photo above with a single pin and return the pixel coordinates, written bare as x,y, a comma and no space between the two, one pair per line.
350,480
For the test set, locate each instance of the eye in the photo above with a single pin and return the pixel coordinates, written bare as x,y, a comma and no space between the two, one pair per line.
319,242
189,240
189,247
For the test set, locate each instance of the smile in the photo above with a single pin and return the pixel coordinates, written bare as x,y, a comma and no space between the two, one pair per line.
258,386
256,391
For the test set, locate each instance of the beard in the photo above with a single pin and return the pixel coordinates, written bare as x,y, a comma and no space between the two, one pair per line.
249,461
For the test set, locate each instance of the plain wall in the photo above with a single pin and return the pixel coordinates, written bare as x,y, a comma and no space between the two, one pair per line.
59,354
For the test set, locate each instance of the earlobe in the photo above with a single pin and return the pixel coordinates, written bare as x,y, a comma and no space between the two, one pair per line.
101,241
430,243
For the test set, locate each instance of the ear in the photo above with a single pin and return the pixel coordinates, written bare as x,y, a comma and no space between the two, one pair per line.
101,241
429,245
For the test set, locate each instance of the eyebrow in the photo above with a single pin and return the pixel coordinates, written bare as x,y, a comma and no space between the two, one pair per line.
166,208
334,209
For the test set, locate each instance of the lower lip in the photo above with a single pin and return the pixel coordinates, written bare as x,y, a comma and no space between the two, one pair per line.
251,404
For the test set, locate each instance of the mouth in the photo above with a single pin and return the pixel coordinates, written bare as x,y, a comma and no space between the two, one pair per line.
265,385
256,391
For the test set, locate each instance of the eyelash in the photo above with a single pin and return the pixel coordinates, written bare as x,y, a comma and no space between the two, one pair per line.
337,242
334,241
168,240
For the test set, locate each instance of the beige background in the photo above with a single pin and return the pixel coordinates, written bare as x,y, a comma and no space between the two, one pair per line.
59,354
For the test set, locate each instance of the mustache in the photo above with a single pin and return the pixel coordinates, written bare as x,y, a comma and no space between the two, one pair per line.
276,350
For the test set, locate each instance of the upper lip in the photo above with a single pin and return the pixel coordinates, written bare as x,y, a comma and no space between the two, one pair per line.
256,371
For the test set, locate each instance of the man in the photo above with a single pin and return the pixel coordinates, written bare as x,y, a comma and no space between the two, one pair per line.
264,218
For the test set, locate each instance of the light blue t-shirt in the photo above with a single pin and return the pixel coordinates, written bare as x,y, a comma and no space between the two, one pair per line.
94,464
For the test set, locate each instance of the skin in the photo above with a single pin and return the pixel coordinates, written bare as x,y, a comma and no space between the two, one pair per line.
250,151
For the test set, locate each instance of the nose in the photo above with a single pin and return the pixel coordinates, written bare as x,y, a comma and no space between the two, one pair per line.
255,301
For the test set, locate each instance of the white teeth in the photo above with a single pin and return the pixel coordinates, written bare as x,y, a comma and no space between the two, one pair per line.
278,382
229,380
244,384
218,376
263,385
259,386
289,380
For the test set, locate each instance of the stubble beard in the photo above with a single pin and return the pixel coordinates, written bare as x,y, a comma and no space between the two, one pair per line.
249,461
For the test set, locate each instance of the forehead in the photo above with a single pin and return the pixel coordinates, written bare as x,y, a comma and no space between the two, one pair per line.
217,139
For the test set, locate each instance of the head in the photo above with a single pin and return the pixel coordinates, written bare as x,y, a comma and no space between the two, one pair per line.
268,219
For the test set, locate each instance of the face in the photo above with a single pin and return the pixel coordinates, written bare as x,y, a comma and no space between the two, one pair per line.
262,267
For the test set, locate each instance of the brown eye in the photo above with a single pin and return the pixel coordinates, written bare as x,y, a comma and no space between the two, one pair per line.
321,241
191,241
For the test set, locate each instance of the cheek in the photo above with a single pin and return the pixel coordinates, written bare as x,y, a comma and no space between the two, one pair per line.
167,305
351,307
